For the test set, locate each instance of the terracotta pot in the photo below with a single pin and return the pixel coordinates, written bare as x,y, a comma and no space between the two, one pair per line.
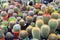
2,39
16,34
9,15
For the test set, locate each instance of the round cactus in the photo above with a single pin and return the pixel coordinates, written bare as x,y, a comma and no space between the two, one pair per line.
16,28
40,13
58,20
39,23
23,34
15,14
18,18
20,14
32,24
30,13
52,36
5,23
3,13
46,18
10,11
54,15
11,6
36,11
9,35
16,9
45,30
29,29
36,33
22,22
53,24
39,17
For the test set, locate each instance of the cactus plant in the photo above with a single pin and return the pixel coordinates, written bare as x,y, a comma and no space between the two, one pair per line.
39,17
40,13
16,28
15,9
45,30
11,6
46,18
29,29
58,20
34,39
39,23
58,36
36,33
23,34
36,11
10,11
53,24
32,24
3,13
20,14
54,15
15,14
52,36
30,13
5,23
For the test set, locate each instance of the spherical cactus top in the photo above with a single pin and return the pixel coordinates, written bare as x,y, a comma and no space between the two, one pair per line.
10,11
15,9
18,18
5,23
31,13
3,13
9,35
36,11
11,6
40,13
16,28
32,24
52,36
23,34
20,14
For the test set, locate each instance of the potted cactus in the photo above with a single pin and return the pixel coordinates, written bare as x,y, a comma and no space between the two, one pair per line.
53,25
52,36
39,23
36,33
16,29
23,35
9,36
45,30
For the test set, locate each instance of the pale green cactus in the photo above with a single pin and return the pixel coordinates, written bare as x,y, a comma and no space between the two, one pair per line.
36,33
32,24
45,30
52,36
53,24
39,23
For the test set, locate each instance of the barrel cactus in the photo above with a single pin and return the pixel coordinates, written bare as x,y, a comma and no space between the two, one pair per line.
36,33
16,28
45,30
54,15
46,18
23,34
53,24
52,36
58,20
10,11
29,29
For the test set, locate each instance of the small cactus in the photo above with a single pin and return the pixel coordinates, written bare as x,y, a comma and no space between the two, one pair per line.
40,13
32,24
16,9
11,6
52,36
39,23
30,13
10,11
5,23
53,24
23,34
34,39
16,28
20,14
36,33
15,14
58,20
45,30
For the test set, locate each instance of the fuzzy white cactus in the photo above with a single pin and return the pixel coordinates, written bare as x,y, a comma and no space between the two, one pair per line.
10,11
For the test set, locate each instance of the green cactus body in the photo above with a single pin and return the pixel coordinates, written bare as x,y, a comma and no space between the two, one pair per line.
45,30
34,39
52,36
29,29
53,24
5,23
54,15
15,9
23,34
32,24
39,23
46,18
58,20
36,33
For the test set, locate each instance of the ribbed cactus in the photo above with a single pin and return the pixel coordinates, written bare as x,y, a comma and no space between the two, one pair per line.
45,30
16,28
10,11
53,24
29,29
23,34
39,23
46,18
52,36
20,14
16,9
22,22
54,15
39,17
58,20
36,33
3,13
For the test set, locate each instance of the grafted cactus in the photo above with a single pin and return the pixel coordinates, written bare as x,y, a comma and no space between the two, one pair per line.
39,23
53,24
45,30
16,9
36,33
52,36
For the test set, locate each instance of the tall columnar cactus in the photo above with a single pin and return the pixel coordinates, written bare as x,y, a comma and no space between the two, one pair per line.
52,36
54,15
58,20
29,19
36,33
53,24
45,30
46,18
16,28
39,23
29,29
23,34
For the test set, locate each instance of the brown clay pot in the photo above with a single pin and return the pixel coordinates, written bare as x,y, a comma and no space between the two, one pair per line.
2,39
